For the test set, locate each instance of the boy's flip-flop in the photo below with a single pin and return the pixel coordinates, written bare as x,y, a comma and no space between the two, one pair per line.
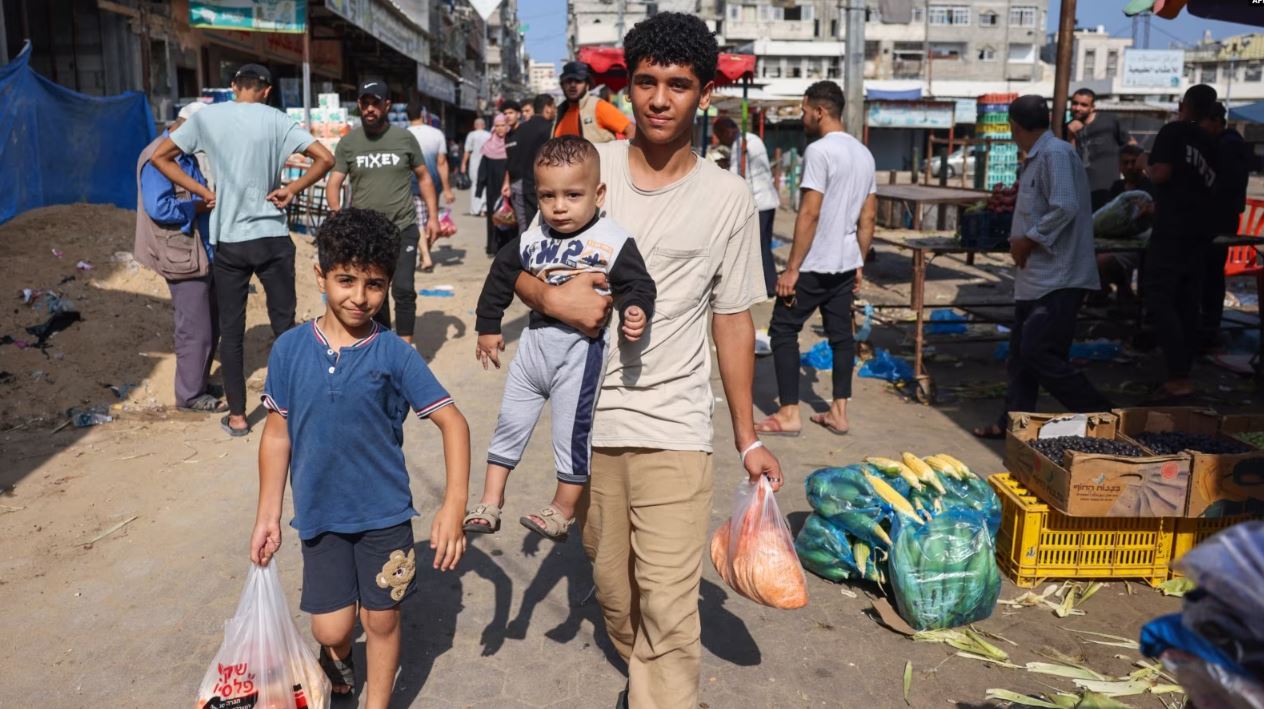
487,513
819,420
555,526
341,673
234,432
772,427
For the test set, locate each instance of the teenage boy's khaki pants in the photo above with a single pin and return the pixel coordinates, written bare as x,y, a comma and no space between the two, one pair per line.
645,531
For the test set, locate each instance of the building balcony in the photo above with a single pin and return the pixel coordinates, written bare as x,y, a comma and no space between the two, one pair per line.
769,30
907,69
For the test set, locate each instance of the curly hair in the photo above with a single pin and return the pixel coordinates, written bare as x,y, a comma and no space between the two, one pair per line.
361,238
566,150
673,38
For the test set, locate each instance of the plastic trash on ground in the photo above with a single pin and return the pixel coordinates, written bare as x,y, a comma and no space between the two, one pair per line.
887,366
819,357
754,552
263,662
946,321
943,573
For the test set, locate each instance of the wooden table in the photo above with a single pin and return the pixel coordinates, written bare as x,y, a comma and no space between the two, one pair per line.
917,197
926,248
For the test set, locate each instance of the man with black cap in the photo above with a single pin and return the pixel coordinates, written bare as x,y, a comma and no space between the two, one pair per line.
247,143
381,161
586,115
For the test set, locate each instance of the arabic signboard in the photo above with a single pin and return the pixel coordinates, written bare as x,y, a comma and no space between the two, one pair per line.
435,85
375,18
1152,68
908,114
249,15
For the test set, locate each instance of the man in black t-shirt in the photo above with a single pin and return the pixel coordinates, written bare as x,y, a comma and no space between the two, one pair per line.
1182,167
522,145
1233,158
1097,137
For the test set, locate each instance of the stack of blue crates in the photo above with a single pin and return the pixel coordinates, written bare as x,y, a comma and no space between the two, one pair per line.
993,124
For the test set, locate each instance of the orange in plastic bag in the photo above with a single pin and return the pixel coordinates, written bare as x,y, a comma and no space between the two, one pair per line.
754,551
263,662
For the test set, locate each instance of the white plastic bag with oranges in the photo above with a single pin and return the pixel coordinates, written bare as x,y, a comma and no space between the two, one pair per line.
263,663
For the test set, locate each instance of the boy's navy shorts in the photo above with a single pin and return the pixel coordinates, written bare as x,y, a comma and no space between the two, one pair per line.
342,569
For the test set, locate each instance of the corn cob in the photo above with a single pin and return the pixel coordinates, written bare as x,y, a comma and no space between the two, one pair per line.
961,467
895,468
923,471
943,467
860,551
897,501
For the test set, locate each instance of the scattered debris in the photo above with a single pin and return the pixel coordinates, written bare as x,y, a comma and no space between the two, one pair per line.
88,544
84,418
1111,640
55,323
1177,587
436,293
83,266
966,640
908,679
7,377
57,253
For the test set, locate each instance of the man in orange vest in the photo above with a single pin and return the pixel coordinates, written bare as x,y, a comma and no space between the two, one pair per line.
586,115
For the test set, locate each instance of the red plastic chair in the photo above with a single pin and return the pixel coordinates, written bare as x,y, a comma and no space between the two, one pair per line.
1246,260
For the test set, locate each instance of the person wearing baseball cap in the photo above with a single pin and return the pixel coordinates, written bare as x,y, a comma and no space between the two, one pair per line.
247,143
381,161
586,115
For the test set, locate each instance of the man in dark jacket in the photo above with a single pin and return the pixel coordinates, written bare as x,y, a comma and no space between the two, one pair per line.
1232,160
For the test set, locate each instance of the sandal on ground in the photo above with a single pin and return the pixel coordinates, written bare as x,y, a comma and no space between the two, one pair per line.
991,432
234,432
487,513
555,527
819,420
427,269
772,427
204,404
341,673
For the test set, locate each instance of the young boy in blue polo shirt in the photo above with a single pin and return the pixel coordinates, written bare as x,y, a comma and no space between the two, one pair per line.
337,393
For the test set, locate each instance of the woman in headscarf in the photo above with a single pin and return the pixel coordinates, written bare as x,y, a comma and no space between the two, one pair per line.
491,175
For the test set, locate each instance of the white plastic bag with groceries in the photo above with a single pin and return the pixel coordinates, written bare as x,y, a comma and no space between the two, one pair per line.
263,663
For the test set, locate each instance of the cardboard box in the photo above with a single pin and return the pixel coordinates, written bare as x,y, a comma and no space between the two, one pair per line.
1096,485
1220,485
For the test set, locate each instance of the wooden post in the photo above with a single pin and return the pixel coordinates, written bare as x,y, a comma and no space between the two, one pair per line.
1062,74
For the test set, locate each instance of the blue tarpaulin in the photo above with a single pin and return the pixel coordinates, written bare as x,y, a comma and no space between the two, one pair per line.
59,146
1251,112
893,95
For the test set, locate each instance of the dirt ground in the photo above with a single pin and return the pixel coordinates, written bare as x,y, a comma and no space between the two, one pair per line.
125,544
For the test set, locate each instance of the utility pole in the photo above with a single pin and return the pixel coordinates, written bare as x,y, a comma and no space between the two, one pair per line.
1062,73
854,70
619,22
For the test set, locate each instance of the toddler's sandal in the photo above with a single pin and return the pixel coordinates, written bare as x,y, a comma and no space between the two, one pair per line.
554,526
341,673
486,513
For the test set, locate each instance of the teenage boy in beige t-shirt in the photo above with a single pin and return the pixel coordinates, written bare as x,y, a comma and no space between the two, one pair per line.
651,482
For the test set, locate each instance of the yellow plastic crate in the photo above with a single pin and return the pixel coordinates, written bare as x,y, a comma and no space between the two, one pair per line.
1036,542
1192,532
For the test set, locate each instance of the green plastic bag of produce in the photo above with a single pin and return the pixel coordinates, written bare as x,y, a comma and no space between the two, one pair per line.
973,493
825,550
1123,217
846,498
943,573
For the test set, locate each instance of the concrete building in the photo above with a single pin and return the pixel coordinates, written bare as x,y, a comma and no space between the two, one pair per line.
947,48
542,78
602,23
506,55
1097,55
1233,65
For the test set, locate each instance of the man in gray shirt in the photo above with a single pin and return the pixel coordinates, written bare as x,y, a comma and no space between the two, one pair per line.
1052,246
248,143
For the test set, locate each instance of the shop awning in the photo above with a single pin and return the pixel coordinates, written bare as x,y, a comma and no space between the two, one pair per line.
1245,13
610,68
902,95
1252,113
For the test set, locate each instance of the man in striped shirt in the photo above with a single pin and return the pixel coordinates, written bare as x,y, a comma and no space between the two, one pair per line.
1052,245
